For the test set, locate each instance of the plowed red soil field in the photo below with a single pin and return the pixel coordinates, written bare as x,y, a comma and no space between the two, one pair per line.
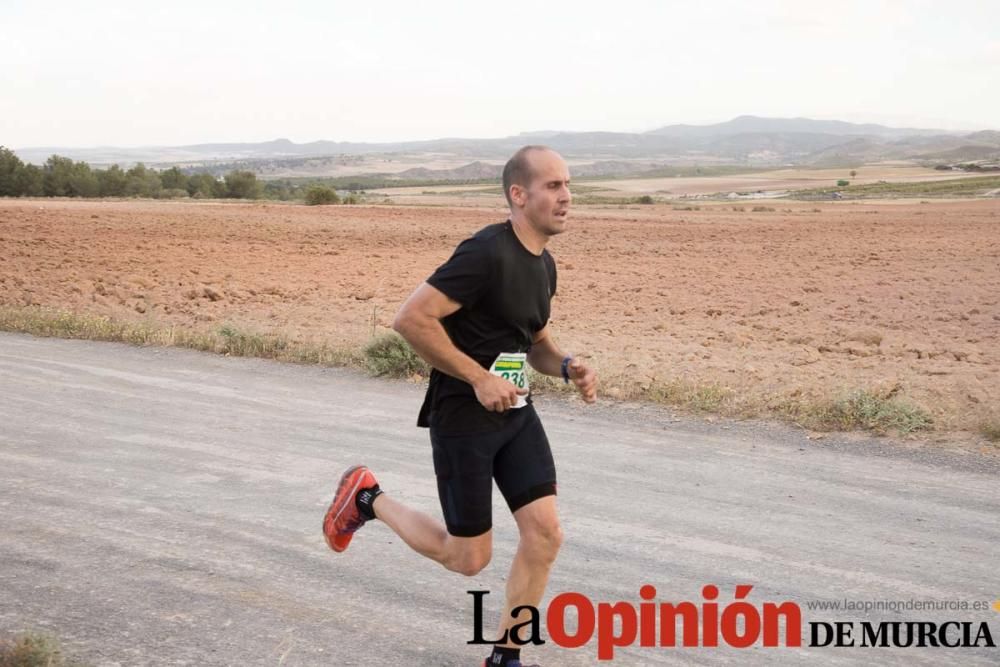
807,300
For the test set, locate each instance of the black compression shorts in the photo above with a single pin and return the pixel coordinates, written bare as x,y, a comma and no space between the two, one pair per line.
517,456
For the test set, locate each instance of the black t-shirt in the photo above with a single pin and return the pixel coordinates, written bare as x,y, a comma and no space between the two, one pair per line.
506,292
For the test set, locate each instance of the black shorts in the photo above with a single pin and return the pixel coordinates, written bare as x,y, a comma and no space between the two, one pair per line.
517,456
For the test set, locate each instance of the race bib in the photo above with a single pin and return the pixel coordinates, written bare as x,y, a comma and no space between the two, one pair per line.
513,366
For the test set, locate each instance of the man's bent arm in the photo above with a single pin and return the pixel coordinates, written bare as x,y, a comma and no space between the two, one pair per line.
545,356
419,322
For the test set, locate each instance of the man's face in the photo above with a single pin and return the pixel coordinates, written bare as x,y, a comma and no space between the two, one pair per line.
545,201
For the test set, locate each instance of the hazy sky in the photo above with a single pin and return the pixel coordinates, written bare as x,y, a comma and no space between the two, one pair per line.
170,73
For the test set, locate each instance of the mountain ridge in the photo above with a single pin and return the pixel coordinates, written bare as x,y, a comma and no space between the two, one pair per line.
744,140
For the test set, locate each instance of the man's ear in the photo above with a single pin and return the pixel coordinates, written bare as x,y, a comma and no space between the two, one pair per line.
518,194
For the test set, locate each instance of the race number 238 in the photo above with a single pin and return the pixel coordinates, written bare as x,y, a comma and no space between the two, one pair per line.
516,377
513,367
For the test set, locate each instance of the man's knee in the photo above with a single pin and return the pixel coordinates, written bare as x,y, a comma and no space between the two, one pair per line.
470,566
543,539
467,558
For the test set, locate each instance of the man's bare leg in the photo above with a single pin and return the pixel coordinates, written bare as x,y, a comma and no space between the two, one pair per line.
541,537
429,537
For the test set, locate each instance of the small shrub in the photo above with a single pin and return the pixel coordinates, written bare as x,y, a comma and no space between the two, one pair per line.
242,184
990,430
708,398
645,199
879,412
320,195
238,343
699,398
32,650
762,209
843,183
390,355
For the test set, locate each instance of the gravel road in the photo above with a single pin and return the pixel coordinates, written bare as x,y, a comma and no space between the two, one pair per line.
163,507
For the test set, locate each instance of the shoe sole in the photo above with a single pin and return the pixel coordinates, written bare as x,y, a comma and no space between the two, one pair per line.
339,496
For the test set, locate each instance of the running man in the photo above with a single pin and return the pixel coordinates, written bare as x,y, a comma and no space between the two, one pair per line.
477,320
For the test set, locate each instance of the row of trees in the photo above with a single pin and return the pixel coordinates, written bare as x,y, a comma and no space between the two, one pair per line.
63,177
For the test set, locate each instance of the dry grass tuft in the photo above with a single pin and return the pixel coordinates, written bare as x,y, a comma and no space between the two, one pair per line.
877,411
33,650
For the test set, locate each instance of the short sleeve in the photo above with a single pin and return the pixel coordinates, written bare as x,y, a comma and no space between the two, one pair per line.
550,267
466,275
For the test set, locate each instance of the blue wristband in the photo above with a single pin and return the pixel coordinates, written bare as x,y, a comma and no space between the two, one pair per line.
565,367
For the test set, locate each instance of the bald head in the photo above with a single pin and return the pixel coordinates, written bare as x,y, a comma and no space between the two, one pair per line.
518,169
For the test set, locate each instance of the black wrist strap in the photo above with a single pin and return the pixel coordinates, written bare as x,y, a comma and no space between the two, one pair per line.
565,368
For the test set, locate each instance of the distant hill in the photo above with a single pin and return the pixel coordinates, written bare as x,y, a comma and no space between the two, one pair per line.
756,124
986,136
965,153
749,141
470,172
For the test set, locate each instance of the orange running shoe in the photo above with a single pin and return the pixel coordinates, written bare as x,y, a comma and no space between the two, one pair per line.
343,518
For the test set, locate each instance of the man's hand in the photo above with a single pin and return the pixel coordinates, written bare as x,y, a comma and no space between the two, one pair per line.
585,379
497,394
